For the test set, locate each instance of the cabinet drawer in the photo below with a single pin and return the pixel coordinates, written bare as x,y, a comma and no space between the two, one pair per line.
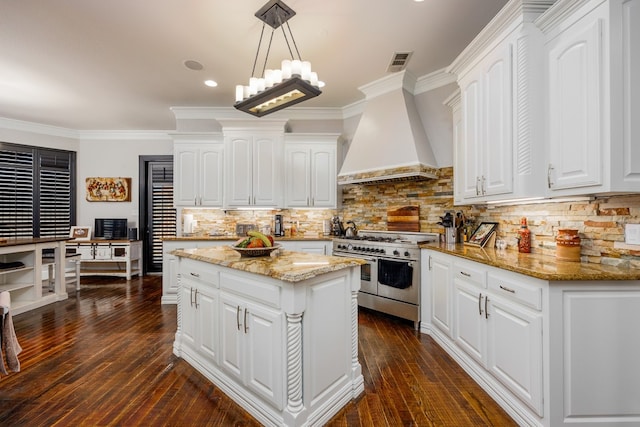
470,273
253,289
199,271
519,289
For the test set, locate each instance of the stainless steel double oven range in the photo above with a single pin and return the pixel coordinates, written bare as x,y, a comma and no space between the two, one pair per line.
390,280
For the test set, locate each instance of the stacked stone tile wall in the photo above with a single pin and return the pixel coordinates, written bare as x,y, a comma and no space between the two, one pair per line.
600,221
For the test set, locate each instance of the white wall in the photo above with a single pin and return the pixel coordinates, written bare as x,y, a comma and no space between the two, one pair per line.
115,156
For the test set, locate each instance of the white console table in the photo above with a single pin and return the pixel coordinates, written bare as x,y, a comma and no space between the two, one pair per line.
120,258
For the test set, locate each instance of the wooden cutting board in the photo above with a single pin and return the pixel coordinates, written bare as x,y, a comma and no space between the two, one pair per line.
403,218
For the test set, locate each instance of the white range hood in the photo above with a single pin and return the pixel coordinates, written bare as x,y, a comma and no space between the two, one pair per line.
390,143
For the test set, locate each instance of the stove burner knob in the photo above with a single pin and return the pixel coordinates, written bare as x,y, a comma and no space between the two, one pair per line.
396,253
381,250
406,253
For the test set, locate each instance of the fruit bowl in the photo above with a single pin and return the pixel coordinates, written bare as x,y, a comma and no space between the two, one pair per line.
254,252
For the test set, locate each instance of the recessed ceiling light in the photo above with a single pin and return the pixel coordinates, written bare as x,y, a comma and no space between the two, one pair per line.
193,65
211,83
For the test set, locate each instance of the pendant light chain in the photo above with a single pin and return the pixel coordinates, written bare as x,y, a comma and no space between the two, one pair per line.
255,61
264,67
294,42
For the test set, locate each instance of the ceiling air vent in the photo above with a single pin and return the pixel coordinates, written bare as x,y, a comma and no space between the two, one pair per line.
399,61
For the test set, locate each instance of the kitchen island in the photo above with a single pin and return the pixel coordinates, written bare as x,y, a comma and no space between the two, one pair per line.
312,244
553,342
278,334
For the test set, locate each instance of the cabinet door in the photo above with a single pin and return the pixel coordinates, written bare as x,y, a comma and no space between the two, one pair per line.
497,123
575,85
231,334
470,328
267,165
207,323
186,178
441,290
468,161
211,176
514,338
298,176
239,176
323,177
264,353
188,313
320,248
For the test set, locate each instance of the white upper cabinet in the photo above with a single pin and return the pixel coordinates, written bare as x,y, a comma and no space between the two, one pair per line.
499,130
593,54
485,153
310,170
254,164
198,170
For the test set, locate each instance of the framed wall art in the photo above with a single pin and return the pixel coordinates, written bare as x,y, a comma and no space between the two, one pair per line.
485,233
108,189
80,232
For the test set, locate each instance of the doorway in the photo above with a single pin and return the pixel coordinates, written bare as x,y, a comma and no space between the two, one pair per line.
157,216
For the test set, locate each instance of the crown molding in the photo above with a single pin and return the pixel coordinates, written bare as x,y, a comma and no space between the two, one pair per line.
433,81
558,13
229,113
124,135
514,13
23,126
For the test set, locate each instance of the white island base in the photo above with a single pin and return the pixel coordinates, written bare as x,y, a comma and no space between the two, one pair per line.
286,351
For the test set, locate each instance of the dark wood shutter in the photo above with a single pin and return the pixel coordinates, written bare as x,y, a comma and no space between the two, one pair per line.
16,191
163,217
36,191
55,193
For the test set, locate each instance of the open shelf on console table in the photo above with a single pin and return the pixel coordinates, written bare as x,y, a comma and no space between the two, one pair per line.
24,281
119,258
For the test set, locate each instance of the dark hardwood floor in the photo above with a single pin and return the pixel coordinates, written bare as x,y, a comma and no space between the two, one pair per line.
104,357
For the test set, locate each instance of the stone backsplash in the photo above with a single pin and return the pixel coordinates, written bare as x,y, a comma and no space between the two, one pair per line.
308,221
599,220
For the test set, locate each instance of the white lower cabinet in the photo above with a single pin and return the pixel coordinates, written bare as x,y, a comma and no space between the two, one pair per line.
251,346
287,352
470,325
199,309
440,270
514,349
319,247
551,353
170,264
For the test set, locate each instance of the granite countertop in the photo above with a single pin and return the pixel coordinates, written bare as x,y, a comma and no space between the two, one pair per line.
543,267
284,265
234,238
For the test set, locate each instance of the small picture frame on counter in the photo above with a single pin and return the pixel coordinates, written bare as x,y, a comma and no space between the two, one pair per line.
80,233
483,235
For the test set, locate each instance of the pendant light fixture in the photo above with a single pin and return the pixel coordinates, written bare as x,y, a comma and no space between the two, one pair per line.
279,88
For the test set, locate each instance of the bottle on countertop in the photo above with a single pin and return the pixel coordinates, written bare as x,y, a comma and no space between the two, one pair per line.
524,237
